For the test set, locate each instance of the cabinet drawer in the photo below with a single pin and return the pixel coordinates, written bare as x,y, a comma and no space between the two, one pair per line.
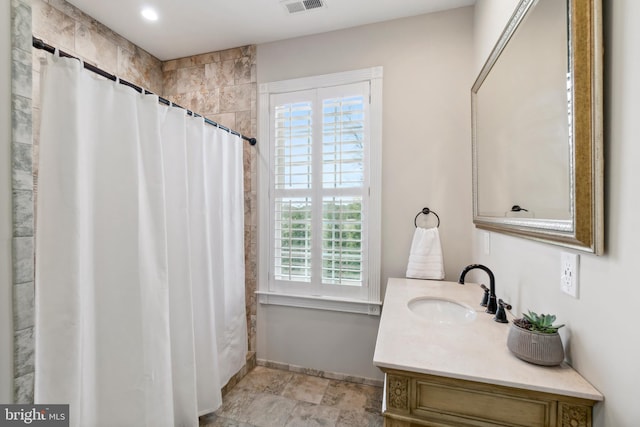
415,399
434,400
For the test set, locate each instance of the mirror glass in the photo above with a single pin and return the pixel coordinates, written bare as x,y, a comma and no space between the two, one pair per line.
536,136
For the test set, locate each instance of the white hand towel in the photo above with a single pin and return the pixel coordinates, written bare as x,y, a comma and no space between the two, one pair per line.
425,258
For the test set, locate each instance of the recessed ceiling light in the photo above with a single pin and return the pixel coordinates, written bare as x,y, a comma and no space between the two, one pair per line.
149,14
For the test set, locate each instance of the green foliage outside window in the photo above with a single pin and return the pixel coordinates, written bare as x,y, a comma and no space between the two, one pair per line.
341,241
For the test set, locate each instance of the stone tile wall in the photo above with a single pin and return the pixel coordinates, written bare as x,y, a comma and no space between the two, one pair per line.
219,85
63,25
22,189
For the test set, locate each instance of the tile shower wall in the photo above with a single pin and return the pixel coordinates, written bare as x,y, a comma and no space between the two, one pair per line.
63,25
224,93
222,86
22,193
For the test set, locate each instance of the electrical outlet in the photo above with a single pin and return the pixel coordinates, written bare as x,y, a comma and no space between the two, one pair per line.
569,273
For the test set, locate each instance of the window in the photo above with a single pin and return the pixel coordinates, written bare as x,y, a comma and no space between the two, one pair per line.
320,238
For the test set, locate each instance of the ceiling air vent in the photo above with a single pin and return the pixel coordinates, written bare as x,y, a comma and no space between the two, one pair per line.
295,6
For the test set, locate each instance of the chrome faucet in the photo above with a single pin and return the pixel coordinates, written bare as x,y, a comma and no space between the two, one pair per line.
492,302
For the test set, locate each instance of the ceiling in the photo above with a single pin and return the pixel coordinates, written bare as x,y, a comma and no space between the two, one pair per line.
190,27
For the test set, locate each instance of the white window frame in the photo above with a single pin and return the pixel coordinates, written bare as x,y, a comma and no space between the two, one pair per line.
369,302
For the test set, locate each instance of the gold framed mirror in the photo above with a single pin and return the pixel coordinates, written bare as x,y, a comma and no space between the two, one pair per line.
537,127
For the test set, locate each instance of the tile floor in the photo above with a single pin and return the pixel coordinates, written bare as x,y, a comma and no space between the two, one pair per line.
269,397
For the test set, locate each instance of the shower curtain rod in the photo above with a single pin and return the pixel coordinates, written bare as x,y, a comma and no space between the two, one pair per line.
40,44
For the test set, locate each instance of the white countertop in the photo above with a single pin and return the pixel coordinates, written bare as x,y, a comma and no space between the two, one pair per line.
475,351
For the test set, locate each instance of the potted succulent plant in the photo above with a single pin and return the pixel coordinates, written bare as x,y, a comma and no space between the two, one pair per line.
535,339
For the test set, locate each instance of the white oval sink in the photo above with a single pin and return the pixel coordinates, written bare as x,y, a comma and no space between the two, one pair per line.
441,311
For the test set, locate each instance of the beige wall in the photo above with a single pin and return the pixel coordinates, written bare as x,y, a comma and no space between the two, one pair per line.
600,334
6,324
426,161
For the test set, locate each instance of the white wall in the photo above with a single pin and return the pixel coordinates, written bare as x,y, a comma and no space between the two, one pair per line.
426,159
6,325
601,337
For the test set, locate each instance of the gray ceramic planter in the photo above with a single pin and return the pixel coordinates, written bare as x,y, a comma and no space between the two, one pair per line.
535,347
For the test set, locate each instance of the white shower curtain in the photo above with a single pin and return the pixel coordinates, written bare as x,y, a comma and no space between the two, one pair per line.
140,314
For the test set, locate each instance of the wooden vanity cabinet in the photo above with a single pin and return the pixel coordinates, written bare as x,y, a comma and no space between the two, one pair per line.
415,399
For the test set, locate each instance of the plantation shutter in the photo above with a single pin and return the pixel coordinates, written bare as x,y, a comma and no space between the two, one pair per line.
319,186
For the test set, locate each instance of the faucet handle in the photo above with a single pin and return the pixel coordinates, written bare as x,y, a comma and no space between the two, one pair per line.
501,315
485,298
504,304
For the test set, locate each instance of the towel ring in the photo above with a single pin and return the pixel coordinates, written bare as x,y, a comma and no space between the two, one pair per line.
425,211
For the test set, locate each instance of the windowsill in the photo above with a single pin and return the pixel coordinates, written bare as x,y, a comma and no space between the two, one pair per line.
320,303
